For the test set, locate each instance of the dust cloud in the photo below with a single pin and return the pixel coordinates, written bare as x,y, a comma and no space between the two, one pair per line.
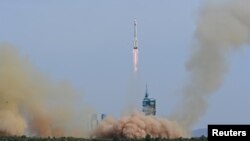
32,104
137,125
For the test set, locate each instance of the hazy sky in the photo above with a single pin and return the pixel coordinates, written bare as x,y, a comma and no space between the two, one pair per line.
89,43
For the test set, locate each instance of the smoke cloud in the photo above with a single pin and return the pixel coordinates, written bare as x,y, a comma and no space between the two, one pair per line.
222,27
137,125
32,104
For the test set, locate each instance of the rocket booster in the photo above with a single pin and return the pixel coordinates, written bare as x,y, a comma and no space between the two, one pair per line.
135,35
135,48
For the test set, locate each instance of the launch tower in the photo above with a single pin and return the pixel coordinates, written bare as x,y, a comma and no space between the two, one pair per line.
148,104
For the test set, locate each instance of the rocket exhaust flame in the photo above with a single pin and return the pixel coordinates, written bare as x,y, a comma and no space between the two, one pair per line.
135,59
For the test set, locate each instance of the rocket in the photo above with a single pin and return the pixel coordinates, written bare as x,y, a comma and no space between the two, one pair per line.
135,48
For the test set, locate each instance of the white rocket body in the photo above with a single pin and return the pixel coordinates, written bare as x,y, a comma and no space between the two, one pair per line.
135,48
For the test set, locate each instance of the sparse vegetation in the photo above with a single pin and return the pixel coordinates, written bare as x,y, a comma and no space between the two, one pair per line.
147,138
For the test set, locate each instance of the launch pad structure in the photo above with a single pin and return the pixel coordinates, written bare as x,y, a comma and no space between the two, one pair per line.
148,104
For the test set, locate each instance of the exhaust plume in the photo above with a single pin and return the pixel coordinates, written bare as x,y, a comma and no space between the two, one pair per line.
221,28
137,125
31,104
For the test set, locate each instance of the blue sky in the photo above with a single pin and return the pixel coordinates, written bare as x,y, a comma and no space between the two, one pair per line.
89,43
